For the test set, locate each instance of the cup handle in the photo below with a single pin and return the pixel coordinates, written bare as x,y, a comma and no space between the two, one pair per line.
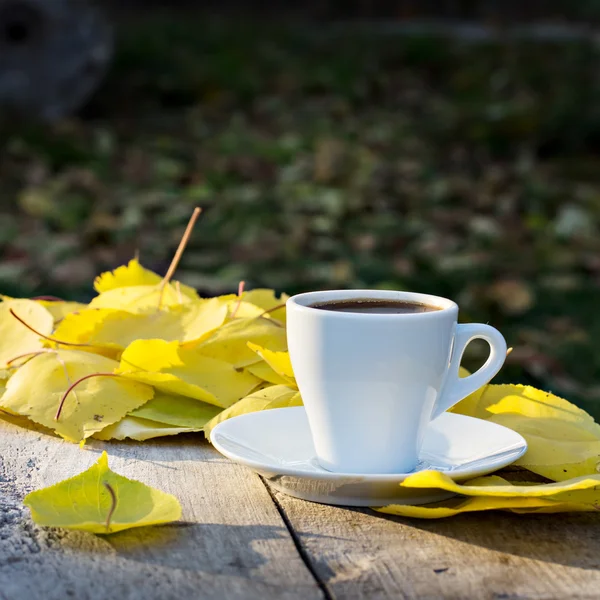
457,388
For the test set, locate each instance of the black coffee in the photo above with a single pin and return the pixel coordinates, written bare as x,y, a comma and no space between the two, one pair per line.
375,306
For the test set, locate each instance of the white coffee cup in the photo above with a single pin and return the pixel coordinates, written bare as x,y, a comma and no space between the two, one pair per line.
372,382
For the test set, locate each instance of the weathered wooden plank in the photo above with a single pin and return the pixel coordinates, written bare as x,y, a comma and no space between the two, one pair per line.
232,544
359,553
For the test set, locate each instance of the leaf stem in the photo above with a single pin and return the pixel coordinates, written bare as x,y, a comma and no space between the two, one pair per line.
28,354
32,355
240,293
48,299
113,504
74,385
274,322
270,310
178,254
46,337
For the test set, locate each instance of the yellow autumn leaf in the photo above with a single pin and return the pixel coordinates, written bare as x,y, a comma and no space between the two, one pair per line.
265,372
242,310
456,506
531,402
134,274
3,382
496,486
5,375
24,423
172,368
275,396
140,298
15,338
138,429
60,309
563,440
255,303
112,330
199,319
177,410
101,501
278,361
556,449
230,341
493,493
37,388
267,300
80,328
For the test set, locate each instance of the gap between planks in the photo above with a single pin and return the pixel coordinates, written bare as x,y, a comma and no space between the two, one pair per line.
298,543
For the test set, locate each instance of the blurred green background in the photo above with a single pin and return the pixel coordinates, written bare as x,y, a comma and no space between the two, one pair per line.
330,157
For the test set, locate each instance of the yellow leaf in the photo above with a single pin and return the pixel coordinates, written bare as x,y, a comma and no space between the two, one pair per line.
230,342
24,423
85,502
133,274
556,449
275,396
199,319
177,410
266,299
36,389
242,310
493,492
59,310
81,327
264,371
139,298
279,361
15,338
563,440
111,330
496,486
5,375
531,402
456,506
177,370
140,430
254,304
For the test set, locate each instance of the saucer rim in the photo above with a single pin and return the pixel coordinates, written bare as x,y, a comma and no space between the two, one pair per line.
467,473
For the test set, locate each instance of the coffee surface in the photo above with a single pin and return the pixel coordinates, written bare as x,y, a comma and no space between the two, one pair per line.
375,306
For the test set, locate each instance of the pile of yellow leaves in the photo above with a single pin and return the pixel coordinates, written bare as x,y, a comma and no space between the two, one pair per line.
148,358
563,445
143,359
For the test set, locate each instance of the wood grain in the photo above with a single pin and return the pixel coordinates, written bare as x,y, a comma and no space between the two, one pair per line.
232,542
363,554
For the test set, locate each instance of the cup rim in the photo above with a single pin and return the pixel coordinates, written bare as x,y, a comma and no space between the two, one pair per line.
301,302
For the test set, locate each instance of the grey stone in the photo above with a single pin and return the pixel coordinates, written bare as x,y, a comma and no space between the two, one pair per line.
53,54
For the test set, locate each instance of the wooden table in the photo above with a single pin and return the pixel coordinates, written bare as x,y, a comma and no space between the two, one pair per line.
240,539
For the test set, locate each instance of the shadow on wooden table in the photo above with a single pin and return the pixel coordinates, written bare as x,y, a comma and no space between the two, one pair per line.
178,448
571,539
207,547
219,548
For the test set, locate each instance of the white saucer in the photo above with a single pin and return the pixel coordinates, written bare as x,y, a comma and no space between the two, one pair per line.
277,445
